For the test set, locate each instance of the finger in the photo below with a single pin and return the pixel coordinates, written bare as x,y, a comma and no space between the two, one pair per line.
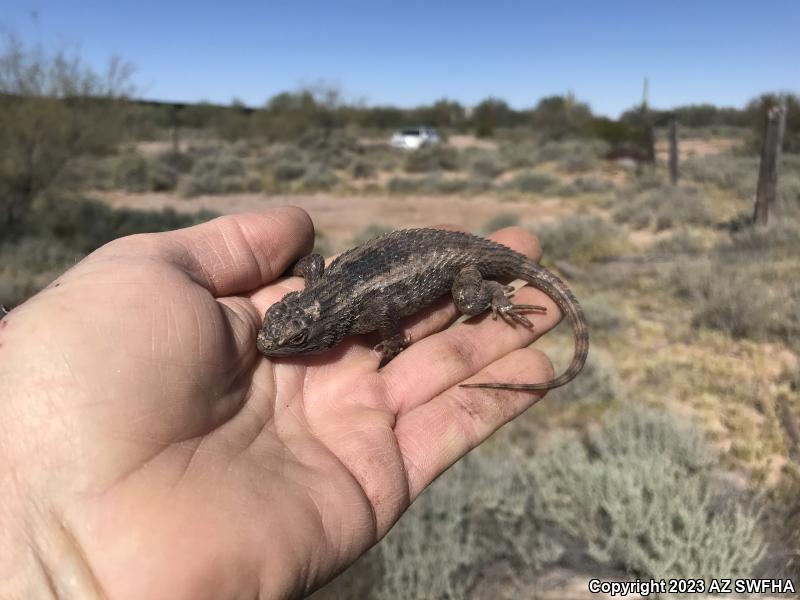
231,254
440,361
435,435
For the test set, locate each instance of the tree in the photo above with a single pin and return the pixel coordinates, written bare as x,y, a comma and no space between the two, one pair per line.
53,109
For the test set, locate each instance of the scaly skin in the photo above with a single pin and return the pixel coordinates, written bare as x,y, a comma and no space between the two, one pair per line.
371,287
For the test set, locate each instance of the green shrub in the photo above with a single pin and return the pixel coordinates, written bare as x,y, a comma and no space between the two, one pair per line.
161,177
131,173
641,497
500,221
221,173
475,516
486,168
603,313
664,208
532,183
318,179
435,158
180,162
592,185
288,171
682,241
370,232
58,232
520,155
582,239
737,173
739,303
362,169
598,382
433,184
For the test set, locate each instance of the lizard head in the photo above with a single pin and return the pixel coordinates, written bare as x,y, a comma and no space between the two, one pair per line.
289,327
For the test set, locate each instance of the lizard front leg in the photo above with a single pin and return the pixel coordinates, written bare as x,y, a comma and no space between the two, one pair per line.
473,295
309,268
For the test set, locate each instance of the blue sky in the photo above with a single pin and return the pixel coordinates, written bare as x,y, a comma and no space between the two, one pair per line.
411,52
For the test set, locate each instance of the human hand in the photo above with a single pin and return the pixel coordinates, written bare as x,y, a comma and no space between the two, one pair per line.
149,451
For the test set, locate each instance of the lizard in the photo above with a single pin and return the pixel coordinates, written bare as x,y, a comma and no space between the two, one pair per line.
371,287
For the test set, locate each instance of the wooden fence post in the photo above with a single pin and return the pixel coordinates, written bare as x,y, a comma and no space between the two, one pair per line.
767,190
673,151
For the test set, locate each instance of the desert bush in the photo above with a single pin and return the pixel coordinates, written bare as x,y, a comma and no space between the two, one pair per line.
180,162
598,382
736,302
53,110
681,241
161,177
664,208
530,182
521,155
362,169
603,313
592,185
486,168
370,232
131,173
474,516
288,171
318,179
573,155
737,173
582,239
641,496
500,221
59,231
221,173
433,184
435,158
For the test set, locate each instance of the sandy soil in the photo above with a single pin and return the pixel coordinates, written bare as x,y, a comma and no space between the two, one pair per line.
341,217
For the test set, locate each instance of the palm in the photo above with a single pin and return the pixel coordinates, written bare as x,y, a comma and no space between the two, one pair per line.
226,472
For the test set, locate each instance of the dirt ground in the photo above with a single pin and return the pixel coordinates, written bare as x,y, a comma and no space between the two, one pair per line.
339,218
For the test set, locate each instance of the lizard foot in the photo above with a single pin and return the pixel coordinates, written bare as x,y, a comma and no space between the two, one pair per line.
512,313
391,347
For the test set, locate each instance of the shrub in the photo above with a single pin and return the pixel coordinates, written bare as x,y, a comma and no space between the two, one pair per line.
532,183
161,177
603,314
474,516
664,208
58,232
582,239
736,303
486,168
598,382
430,159
370,232
500,221
640,496
288,171
682,241
362,169
222,173
131,173
318,179
521,155
433,184
737,173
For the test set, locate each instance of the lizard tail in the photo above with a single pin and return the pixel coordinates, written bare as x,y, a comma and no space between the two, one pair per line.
550,284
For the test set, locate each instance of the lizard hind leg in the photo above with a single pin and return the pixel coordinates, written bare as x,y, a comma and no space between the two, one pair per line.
473,295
